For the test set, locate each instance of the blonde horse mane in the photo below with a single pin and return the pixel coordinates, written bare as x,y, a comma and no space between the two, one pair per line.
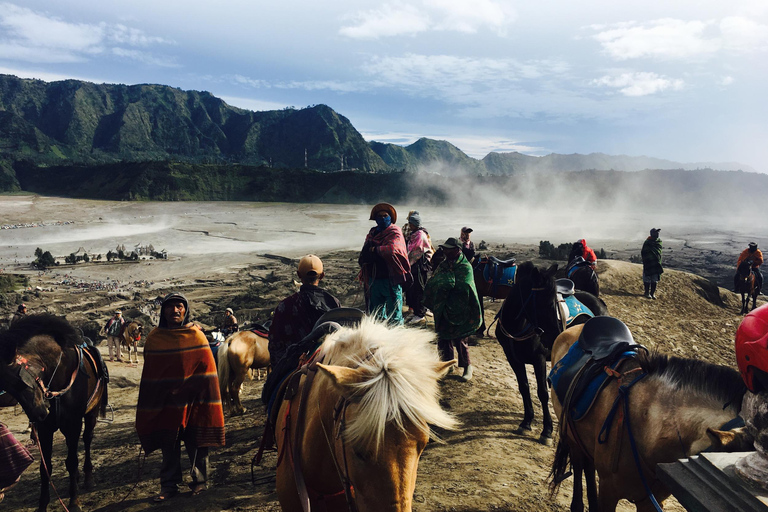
401,379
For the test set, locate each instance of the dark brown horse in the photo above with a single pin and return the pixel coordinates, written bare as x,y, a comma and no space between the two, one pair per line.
583,276
528,323
745,284
44,366
487,287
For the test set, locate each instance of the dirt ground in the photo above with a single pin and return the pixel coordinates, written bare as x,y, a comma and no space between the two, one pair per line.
482,466
220,257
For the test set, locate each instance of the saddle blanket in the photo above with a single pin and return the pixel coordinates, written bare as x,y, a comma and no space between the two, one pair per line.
499,276
575,310
573,268
583,403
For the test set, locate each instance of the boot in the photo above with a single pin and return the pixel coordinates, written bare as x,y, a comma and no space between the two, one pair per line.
467,373
647,287
653,290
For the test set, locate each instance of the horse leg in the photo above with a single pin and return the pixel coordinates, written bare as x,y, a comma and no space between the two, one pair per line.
577,500
72,436
45,440
522,382
237,386
90,425
481,331
589,474
540,370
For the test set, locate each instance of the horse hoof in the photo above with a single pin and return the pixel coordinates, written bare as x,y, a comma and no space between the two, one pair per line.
88,484
522,430
546,441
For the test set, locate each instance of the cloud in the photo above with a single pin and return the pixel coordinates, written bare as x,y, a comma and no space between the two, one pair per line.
395,19
726,80
639,84
145,57
34,37
678,39
252,104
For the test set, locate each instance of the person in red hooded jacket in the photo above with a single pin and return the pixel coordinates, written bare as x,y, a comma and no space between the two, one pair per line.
580,248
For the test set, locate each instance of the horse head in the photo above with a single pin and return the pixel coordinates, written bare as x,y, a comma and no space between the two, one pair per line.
531,307
30,353
376,397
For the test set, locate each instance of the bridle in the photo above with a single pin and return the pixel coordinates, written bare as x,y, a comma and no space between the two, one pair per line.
530,321
32,378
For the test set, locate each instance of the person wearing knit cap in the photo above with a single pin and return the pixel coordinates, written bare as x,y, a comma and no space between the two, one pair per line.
179,398
384,266
420,252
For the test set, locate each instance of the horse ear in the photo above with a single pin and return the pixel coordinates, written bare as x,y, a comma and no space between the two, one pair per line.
735,440
341,376
443,367
551,271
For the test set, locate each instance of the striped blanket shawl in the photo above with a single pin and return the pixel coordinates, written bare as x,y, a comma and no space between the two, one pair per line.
390,245
14,458
179,390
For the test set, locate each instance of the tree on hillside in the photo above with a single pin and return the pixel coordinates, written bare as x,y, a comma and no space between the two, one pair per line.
71,259
110,255
44,259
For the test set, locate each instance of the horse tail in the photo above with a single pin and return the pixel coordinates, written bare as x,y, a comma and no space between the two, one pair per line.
559,472
224,370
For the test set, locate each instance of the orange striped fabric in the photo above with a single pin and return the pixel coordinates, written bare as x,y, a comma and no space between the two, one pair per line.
179,390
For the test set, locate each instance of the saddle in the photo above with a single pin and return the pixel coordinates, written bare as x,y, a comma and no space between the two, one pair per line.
577,263
571,311
260,330
498,272
565,287
578,378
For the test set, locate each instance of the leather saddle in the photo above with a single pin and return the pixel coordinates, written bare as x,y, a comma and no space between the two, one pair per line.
260,330
565,287
579,376
502,263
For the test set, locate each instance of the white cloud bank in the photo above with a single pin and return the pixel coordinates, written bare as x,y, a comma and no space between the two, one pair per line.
678,39
639,84
396,19
31,36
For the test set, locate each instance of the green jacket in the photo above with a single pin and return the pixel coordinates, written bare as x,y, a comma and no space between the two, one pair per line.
651,255
451,295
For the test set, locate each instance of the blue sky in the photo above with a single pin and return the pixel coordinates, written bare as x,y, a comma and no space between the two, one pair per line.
683,80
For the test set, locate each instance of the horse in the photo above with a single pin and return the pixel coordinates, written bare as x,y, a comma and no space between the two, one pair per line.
528,323
130,336
239,353
583,276
745,284
490,288
357,424
42,366
673,412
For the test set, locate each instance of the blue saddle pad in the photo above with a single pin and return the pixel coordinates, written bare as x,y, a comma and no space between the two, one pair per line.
499,277
575,310
582,404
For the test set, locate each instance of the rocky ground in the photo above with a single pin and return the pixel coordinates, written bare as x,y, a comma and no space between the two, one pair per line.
482,466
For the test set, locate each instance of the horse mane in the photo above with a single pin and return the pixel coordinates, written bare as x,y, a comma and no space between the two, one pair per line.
402,379
721,383
30,326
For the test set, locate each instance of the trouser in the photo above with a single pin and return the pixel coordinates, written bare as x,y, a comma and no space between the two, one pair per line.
650,288
386,301
170,470
114,342
445,349
414,296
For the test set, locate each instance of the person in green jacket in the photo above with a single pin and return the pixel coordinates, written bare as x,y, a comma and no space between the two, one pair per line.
652,270
451,295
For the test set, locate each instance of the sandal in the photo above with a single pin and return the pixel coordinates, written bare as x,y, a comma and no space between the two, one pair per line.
164,495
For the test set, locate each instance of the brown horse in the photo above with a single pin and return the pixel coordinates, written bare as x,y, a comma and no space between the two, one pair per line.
44,366
670,411
131,335
239,353
745,284
354,436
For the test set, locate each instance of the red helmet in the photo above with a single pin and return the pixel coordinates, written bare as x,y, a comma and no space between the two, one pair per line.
752,349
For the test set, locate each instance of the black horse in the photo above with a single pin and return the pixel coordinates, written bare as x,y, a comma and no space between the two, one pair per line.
583,276
58,383
745,284
527,327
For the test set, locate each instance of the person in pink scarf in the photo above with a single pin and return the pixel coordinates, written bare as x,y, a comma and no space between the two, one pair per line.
384,266
419,255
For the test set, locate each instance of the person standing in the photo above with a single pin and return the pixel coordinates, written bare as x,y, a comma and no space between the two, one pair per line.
20,313
419,255
451,295
384,267
753,254
179,398
467,245
114,331
652,269
295,316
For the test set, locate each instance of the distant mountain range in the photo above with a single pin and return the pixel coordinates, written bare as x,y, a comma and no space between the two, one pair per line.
58,124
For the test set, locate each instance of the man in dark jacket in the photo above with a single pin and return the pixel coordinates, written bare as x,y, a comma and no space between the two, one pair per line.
295,316
652,269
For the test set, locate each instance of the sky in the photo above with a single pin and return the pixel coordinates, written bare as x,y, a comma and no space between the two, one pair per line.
683,80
